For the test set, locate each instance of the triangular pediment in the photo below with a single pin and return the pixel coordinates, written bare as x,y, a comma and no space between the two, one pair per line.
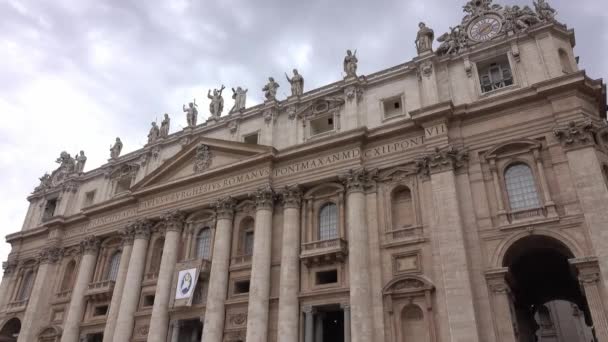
198,157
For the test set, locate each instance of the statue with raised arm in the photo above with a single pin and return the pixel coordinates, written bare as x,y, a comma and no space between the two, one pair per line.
240,96
350,63
81,159
270,89
424,38
191,113
67,163
544,11
154,133
116,149
297,83
164,126
217,102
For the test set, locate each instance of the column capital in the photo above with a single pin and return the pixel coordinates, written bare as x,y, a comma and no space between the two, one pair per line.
264,197
497,281
126,235
345,306
224,208
441,159
359,180
308,309
588,269
50,255
576,134
291,196
141,229
173,220
90,244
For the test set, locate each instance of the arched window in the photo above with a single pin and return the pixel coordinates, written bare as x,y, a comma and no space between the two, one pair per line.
68,276
521,187
565,61
402,210
26,286
328,222
157,254
247,235
112,271
413,324
203,243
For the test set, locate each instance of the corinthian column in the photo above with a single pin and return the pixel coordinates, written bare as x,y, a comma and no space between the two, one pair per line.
121,277
259,291
132,287
358,255
213,329
447,230
39,297
289,313
159,323
71,327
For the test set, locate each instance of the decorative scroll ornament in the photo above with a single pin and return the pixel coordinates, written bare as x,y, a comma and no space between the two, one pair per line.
575,134
50,255
291,196
225,208
202,159
359,180
440,160
485,21
174,220
90,244
264,197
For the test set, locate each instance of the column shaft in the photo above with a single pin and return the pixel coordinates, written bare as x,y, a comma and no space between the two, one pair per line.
346,309
358,259
71,327
213,328
289,311
108,333
4,288
319,328
159,322
259,293
598,314
308,325
175,331
132,288
501,310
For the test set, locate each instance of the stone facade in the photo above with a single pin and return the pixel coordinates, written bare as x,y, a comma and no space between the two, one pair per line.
460,196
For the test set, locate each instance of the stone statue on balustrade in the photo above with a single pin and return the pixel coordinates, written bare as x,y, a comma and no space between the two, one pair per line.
81,159
240,97
154,133
350,63
297,83
217,102
191,113
164,126
424,38
270,89
544,10
116,149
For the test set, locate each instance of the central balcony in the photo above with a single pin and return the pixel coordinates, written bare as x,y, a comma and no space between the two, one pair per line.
101,290
324,252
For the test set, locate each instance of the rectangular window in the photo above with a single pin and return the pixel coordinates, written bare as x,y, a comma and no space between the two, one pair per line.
241,287
251,139
495,75
148,300
248,248
89,198
321,125
101,310
326,277
49,208
123,185
392,107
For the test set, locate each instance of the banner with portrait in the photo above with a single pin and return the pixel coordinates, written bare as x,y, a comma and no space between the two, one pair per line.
186,283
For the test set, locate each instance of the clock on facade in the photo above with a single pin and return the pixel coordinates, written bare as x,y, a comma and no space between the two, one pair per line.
484,28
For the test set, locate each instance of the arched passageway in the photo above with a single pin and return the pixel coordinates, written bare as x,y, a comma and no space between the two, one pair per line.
10,330
547,302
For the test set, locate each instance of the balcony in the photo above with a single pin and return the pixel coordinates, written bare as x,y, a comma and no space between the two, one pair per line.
324,252
241,260
101,290
17,305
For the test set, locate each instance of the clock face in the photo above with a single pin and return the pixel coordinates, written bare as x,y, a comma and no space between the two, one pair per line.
484,28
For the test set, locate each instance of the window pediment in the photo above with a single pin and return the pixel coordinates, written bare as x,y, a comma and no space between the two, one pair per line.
512,148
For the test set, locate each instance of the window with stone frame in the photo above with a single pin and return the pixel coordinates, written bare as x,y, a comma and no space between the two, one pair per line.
402,208
495,74
246,236
157,254
203,243
69,275
521,187
26,285
112,268
50,208
328,221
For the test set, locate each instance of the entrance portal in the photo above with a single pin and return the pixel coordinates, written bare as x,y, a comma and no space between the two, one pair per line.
10,330
546,293
190,331
329,324
96,337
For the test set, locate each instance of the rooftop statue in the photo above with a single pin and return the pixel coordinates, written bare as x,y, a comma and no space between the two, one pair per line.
191,113
297,83
270,89
217,102
164,126
544,10
350,63
67,163
81,159
424,38
154,133
240,96
116,149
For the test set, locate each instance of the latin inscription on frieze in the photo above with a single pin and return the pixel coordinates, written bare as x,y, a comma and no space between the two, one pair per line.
315,163
394,147
436,130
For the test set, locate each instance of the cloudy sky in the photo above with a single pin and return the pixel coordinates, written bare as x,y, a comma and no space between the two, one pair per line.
74,74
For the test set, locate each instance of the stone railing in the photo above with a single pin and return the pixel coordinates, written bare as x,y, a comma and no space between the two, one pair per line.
525,214
404,233
64,294
17,305
101,290
324,251
240,260
150,276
